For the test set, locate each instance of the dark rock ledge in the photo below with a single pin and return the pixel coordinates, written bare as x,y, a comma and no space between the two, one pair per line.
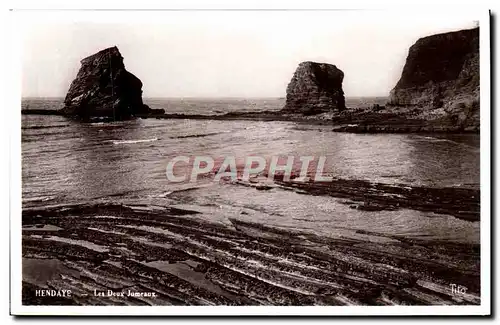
462,203
191,261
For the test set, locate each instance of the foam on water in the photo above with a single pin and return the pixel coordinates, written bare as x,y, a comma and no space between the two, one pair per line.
133,141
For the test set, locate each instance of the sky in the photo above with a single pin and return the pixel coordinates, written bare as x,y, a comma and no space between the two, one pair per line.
226,54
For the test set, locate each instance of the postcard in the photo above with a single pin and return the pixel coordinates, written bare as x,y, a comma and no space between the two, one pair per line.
251,162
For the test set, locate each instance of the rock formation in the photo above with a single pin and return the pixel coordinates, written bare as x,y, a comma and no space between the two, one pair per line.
441,76
315,88
104,88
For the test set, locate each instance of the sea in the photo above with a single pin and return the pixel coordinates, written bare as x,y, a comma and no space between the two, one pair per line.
67,162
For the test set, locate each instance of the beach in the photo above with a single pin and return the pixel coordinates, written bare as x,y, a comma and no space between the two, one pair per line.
397,224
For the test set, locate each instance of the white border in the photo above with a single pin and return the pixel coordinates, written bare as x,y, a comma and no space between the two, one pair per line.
485,162
13,101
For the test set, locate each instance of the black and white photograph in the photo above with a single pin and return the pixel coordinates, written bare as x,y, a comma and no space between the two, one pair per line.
251,159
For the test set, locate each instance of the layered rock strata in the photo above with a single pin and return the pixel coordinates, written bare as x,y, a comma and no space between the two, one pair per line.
104,88
315,88
441,76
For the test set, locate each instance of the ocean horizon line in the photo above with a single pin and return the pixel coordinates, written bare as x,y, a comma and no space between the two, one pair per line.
205,97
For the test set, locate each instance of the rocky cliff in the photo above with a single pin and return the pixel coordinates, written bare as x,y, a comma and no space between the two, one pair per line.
104,88
441,76
315,88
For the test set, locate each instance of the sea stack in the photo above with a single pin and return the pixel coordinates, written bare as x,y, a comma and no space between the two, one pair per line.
104,88
315,88
442,72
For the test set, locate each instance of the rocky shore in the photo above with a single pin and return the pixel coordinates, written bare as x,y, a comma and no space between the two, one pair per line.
351,120
438,92
174,257
462,203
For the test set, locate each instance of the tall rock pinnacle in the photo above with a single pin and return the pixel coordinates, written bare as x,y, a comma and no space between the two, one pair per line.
315,88
104,88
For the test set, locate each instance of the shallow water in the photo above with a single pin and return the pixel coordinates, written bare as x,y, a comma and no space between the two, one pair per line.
69,162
